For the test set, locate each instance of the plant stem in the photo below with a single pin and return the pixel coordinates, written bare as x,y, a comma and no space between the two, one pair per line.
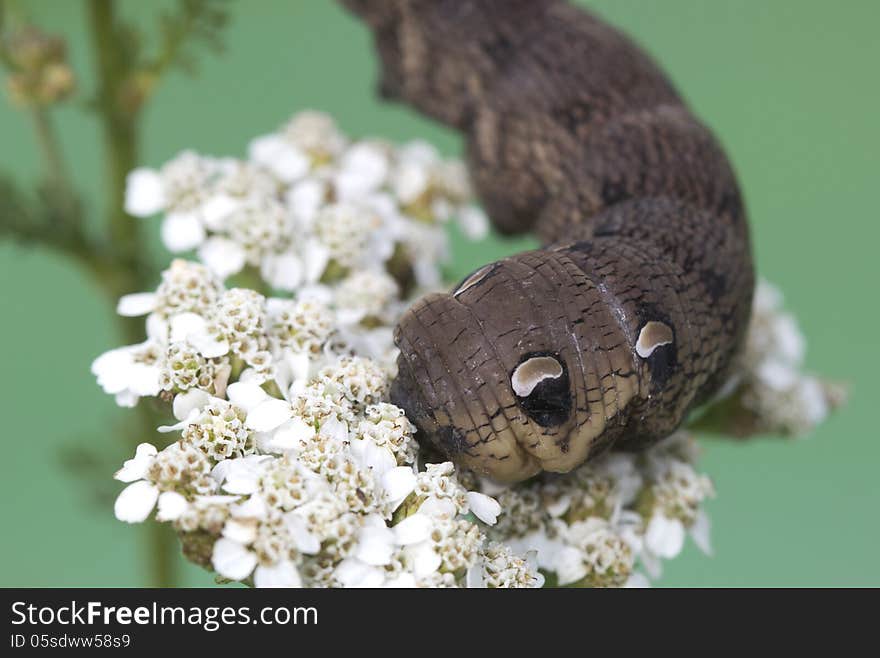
50,146
120,136
119,127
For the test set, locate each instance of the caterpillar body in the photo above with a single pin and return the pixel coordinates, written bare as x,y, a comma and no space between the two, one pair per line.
630,315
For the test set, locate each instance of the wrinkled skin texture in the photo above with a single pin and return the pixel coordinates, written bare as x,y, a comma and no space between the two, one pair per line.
642,294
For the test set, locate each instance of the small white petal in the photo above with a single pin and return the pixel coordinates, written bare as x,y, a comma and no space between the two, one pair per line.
305,198
136,304
474,576
242,531
425,559
315,259
700,532
292,371
216,211
157,328
303,538
177,427
474,223
362,169
652,564
136,468
437,507
398,483
111,370
252,508
664,536
637,580
569,565
136,501
403,580
185,403
409,182
240,476
351,572
283,574
232,560
484,507
171,506
282,271
413,529
127,399
246,396
208,346
287,162
184,324
182,231
144,192
222,256
369,456
268,415
291,435
375,545
335,429
143,379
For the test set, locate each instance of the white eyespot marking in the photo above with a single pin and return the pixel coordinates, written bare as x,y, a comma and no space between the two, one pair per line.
532,372
473,279
653,335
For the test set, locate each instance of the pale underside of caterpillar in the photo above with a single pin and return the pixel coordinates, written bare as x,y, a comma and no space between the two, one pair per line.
630,315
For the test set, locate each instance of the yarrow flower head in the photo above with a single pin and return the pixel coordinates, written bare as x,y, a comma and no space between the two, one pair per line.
273,352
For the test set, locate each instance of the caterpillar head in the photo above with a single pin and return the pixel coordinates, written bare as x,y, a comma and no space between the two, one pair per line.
488,383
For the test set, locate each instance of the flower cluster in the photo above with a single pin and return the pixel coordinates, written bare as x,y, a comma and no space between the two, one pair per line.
274,354
310,204
612,519
770,385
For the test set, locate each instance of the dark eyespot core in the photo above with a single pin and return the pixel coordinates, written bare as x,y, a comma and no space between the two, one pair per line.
549,401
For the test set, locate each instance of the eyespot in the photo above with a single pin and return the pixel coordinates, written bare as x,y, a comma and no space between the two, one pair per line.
653,335
532,372
540,383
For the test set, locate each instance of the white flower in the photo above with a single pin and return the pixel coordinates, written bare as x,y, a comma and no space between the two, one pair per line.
144,192
242,475
282,271
264,413
136,304
664,536
136,502
376,542
171,506
224,256
182,231
129,372
474,223
362,170
413,529
283,574
233,560
353,572
304,198
484,508
700,532
136,468
280,157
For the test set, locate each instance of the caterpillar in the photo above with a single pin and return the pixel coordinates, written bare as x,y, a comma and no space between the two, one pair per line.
629,316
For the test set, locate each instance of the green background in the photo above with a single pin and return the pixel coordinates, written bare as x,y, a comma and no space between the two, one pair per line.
790,87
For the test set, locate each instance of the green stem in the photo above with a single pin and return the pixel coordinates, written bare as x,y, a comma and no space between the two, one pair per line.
119,127
51,149
120,137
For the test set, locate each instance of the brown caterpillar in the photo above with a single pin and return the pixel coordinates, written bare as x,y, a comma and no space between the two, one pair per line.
630,315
